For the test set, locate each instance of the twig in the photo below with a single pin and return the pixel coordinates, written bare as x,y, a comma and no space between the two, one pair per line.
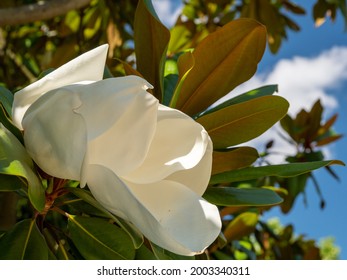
40,11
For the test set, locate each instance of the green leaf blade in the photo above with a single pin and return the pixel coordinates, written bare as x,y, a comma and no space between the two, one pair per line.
249,95
237,47
281,170
133,232
23,242
242,122
15,161
151,39
97,239
229,196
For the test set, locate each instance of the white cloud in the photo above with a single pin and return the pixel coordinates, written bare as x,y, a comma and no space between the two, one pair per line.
168,11
301,80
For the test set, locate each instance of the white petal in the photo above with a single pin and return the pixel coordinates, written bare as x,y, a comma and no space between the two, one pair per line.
179,143
54,136
87,67
196,178
167,213
120,117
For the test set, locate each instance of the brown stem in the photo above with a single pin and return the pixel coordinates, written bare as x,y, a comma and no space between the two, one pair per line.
40,11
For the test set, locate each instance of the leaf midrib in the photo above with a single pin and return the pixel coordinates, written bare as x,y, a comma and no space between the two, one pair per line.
93,237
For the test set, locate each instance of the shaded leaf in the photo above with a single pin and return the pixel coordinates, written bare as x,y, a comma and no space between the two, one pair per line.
97,239
133,232
151,39
281,170
57,246
229,196
128,69
23,242
315,117
242,122
6,99
170,82
10,183
7,122
162,254
15,161
237,47
143,253
233,159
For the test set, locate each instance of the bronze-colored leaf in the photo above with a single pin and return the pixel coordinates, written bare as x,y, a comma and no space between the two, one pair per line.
223,60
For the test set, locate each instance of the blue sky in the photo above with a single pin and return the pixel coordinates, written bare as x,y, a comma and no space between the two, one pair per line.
312,64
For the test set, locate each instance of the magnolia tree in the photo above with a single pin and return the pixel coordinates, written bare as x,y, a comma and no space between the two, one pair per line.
143,165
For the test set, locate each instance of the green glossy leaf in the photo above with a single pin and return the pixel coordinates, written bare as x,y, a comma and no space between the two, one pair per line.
185,64
7,122
11,183
151,39
223,60
242,122
23,242
57,245
143,253
249,95
281,170
162,254
233,159
295,186
242,225
133,232
96,239
6,99
170,82
180,38
15,161
228,196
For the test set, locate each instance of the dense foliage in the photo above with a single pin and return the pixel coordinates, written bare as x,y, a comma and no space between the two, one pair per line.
204,56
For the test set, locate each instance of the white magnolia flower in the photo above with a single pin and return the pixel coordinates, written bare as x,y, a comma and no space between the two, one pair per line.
144,162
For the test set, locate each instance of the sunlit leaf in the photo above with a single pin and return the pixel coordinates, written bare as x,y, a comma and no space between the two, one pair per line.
180,38
328,124
15,161
229,196
242,122
97,239
92,22
223,60
242,225
249,95
151,39
233,159
23,242
185,64
281,170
